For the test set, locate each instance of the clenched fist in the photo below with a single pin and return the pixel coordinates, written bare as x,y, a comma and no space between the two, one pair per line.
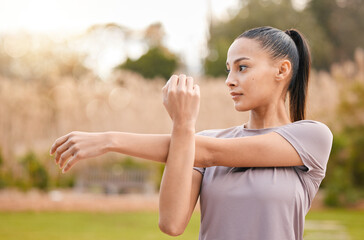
181,98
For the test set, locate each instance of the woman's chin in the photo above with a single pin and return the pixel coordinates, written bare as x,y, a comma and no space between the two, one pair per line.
241,108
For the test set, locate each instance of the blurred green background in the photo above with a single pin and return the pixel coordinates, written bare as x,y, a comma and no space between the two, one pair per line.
109,76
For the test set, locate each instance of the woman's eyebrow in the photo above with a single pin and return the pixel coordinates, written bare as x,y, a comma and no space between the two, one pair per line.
239,59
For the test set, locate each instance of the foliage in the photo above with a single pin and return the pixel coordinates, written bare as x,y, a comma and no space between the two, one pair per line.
1,158
342,23
130,163
157,62
345,173
320,22
339,181
2,174
62,180
35,171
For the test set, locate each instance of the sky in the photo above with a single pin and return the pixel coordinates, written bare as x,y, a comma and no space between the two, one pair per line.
185,22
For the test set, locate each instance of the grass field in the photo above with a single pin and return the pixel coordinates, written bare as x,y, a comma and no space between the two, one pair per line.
326,224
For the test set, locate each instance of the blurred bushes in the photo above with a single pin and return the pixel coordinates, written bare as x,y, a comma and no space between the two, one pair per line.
344,183
157,62
30,171
345,174
35,173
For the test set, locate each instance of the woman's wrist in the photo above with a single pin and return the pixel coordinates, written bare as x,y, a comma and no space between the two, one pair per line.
110,141
186,126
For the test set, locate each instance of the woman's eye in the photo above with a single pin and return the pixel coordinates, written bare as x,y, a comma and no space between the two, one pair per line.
242,68
227,70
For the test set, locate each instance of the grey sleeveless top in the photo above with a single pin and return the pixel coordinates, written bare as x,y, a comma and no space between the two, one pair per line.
264,203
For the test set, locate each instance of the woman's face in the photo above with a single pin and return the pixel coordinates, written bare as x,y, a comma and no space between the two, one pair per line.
251,78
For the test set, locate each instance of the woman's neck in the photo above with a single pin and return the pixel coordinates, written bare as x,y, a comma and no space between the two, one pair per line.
267,117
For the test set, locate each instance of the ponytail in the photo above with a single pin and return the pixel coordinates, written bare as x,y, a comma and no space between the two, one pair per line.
299,82
292,45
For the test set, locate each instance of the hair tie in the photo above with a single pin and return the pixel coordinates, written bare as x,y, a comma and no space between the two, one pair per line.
288,32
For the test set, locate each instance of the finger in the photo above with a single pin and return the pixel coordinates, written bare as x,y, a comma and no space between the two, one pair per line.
189,84
70,163
196,88
181,85
67,154
165,88
173,76
61,149
58,142
167,83
172,85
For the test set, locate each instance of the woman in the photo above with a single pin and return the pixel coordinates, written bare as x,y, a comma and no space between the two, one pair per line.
255,181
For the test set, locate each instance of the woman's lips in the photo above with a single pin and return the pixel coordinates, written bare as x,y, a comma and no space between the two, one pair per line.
235,95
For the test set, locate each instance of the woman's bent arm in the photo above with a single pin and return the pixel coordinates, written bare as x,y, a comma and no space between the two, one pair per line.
175,191
181,99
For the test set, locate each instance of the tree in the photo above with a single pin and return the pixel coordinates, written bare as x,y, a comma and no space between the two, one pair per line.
158,61
342,21
325,25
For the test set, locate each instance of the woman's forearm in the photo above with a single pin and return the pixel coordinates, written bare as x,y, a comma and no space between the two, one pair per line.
175,191
154,147
148,146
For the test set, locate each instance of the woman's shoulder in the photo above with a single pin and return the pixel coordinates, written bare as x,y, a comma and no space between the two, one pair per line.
309,127
309,134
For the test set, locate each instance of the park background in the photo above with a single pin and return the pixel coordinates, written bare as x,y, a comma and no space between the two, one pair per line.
100,66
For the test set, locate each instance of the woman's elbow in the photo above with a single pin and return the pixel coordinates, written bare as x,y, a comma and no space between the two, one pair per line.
171,228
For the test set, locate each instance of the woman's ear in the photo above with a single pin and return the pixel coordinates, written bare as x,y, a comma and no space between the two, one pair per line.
284,70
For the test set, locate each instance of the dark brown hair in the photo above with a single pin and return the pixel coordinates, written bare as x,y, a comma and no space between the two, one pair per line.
289,44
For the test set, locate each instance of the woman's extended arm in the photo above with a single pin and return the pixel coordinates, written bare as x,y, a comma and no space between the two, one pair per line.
266,150
76,146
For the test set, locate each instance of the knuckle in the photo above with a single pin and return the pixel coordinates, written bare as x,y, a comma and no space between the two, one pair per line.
181,92
76,147
78,155
173,78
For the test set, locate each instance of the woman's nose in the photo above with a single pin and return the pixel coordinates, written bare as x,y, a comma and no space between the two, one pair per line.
230,82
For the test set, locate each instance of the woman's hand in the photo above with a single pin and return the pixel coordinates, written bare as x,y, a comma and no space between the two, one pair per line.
76,146
181,98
